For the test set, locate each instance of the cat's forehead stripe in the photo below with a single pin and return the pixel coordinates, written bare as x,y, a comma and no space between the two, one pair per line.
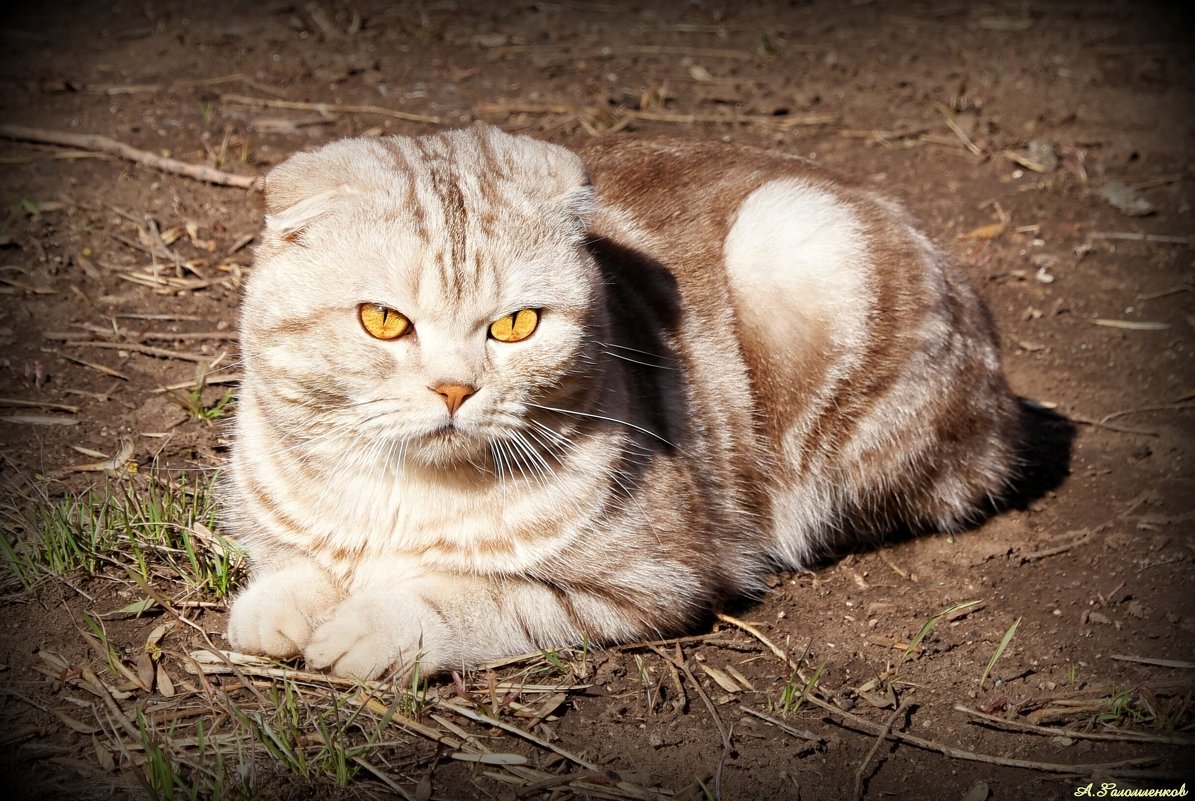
446,186
404,169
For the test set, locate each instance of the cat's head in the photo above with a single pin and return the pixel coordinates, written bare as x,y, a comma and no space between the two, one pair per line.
420,297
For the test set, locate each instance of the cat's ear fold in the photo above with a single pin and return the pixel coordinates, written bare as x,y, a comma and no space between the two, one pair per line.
306,186
578,204
288,223
575,195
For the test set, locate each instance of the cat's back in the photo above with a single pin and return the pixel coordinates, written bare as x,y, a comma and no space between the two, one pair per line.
870,360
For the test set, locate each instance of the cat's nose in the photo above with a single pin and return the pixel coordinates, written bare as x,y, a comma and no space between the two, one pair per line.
453,394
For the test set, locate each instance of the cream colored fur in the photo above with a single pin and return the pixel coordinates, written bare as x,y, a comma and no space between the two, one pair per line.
738,362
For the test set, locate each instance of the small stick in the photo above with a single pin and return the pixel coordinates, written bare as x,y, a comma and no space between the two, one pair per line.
962,135
904,574
746,119
640,50
800,734
1131,236
1174,290
386,780
880,738
261,87
167,317
1160,407
99,368
682,697
62,407
324,108
958,753
152,336
1087,421
210,380
658,116
1146,660
1083,536
1051,731
148,350
754,632
160,336
39,420
726,747
515,730
104,144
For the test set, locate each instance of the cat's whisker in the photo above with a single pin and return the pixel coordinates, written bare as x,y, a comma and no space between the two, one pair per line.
637,361
518,458
554,436
625,358
608,419
637,350
545,469
613,474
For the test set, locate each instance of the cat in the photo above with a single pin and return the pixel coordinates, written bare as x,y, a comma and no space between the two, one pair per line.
500,395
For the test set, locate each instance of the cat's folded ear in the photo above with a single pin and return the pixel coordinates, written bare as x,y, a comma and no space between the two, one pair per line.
306,186
579,203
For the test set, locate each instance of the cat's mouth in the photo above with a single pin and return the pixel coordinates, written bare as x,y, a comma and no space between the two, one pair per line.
448,443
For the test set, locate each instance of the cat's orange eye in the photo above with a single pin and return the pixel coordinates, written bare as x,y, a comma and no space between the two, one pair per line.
516,326
382,322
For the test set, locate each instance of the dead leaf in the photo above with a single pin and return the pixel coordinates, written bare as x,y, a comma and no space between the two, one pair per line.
720,678
165,685
145,670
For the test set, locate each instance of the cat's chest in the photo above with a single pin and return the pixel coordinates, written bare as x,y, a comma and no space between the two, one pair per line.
465,526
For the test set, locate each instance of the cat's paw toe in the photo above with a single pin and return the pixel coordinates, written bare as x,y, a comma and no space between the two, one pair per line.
365,639
275,616
261,623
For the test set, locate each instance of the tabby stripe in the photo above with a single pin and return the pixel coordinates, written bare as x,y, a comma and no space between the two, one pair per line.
885,357
267,503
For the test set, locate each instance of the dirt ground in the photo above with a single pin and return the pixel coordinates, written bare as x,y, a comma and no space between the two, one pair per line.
1047,145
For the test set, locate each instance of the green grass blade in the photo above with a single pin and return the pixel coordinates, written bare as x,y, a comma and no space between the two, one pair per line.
1004,641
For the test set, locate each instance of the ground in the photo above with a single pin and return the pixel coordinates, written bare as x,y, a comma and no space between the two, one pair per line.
1047,146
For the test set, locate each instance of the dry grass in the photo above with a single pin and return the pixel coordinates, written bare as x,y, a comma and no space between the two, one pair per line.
181,718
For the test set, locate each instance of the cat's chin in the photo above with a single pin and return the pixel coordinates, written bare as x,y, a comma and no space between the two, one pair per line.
448,448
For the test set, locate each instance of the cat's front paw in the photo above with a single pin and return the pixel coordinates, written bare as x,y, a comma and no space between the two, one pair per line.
371,635
276,615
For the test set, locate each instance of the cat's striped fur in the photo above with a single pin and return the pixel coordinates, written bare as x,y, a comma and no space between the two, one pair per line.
739,362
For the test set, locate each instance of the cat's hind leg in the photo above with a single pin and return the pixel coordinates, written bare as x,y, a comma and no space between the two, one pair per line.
874,365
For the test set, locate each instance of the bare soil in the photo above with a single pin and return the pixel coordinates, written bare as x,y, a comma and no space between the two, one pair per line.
1047,145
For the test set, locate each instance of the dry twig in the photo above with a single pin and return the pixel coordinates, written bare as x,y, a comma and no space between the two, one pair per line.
1146,660
757,634
1119,736
330,108
726,747
800,734
626,114
880,738
104,144
1081,536
148,350
958,753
